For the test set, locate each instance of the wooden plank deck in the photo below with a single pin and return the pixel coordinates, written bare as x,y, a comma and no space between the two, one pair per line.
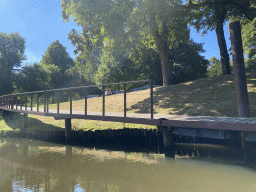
182,121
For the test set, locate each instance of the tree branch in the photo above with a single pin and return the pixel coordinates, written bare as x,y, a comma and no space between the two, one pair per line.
249,12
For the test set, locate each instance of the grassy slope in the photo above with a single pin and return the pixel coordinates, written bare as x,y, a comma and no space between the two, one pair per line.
214,96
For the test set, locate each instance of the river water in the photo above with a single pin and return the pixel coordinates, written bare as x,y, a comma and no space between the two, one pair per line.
28,165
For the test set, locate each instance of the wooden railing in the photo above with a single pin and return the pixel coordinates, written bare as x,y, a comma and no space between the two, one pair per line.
12,101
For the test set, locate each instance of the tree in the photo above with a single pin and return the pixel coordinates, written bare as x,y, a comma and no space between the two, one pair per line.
212,18
215,68
249,43
189,64
84,67
120,24
12,48
56,54
211,15
57,61
31,78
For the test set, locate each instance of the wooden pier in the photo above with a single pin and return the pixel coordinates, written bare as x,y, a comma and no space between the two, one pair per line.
195,126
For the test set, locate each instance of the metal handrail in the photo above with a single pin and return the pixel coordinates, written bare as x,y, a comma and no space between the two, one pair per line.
6,101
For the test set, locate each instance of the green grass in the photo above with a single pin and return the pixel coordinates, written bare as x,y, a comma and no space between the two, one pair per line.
215,96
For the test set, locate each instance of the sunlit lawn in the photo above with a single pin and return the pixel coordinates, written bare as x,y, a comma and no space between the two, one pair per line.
214,96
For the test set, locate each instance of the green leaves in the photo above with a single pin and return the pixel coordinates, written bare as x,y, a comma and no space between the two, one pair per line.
56,55
249,42
12,48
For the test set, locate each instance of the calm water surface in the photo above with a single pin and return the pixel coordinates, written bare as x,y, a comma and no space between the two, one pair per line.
27,165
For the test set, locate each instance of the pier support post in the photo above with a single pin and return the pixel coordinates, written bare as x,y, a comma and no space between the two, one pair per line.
67,130
168,139
25,116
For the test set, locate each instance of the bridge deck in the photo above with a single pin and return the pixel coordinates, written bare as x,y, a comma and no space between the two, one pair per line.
183,121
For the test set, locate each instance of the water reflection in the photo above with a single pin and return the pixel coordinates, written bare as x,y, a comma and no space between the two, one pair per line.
27,165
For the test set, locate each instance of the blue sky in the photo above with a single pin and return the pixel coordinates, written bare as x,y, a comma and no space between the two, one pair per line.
40,23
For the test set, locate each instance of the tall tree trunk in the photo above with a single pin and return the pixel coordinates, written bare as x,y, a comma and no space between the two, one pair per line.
221,14
239,70
163,52
223,50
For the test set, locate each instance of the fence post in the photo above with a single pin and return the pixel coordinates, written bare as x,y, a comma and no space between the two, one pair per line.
47,101
71,94
151,99
58,103
124,100
11,101
85,101
26,101
16,96
37,102
21,102
31,102
44,100
103,100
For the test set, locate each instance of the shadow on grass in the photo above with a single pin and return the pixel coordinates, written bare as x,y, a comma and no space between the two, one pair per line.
215,96
16,121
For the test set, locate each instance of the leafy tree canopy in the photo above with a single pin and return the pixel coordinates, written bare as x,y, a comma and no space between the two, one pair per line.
56,54
12,47
122,24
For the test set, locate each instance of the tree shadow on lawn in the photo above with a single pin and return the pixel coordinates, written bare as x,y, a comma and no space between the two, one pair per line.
204,97
16,121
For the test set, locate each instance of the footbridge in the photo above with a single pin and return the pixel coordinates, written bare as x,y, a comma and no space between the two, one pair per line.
37,103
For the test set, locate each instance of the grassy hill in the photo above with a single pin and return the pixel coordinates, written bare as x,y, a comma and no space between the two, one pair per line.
213,96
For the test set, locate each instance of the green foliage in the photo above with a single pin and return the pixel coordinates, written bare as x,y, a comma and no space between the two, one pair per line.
189,64
12,48
121,41
56,62
84,67
211,14
119,26
215,68
31,78
249,43
56,55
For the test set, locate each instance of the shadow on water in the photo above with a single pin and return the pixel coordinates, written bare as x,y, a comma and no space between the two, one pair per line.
16,121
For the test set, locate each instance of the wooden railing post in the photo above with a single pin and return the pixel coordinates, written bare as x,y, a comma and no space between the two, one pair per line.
11,101
26,101
16,97
47,101
124,100
37,102
103,100
31,102
151,99
71,94
44,100
58,103
85,101
21,102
